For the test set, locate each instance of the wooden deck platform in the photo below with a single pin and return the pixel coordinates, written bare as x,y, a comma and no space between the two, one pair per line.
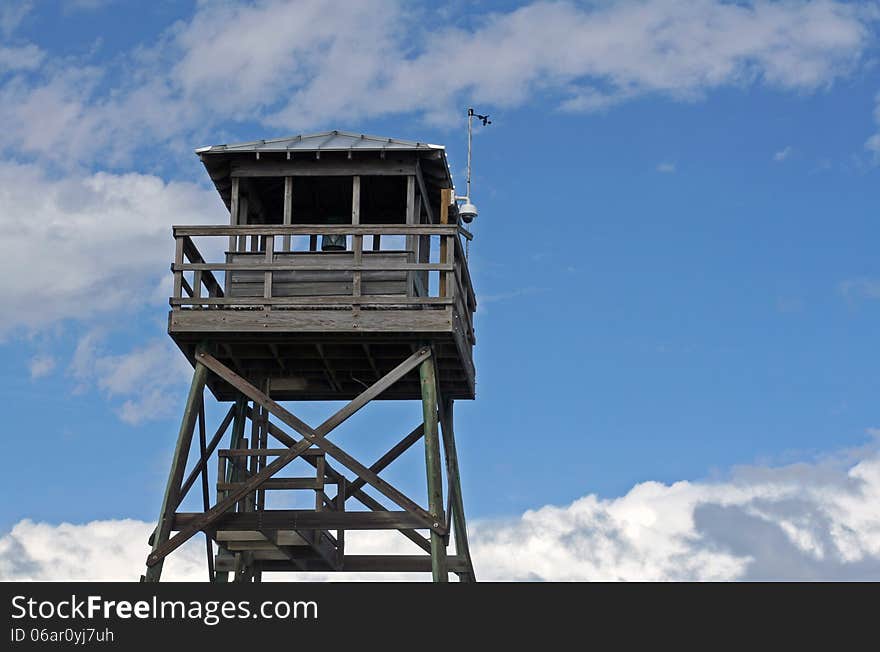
325,325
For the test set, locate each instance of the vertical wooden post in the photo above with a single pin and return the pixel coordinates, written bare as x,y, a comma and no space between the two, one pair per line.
439,568
357,240
410,240
267,276
233,212
445,200
177,293
462,549
206,500
288,210
178,463
242,220
227,471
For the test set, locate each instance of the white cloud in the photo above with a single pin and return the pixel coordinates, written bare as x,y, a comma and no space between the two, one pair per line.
146,378
319,65
860,288
87,246
12,13
25,57
782,154
803,521
41,365
665,167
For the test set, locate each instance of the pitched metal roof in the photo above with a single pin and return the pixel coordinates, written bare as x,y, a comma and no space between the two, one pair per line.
327,141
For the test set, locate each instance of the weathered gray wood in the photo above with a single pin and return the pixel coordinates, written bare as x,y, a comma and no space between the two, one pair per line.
427,377
206,500
317,436
288,210
385,300
203,462
305,519
357,240
310,321
358,494
321,168
233,212
462,548
175,476
310,229
279,484
357,564
389,262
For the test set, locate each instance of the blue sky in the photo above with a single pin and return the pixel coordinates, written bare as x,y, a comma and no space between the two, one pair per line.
675,256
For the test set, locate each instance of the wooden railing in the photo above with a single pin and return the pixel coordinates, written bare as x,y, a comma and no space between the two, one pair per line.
253,256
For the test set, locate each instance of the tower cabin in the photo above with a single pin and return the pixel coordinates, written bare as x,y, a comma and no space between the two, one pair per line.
343,254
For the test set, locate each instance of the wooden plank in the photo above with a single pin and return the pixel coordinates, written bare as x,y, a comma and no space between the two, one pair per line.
310,229
279,484
340,266
304,519
322,168
311,321
272,452
360,564
341,300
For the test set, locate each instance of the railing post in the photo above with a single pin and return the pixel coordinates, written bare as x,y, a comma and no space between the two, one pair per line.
410,240
178,274
288,210
444,219
357,239
267,281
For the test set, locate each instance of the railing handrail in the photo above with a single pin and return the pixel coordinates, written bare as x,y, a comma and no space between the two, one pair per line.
454,286
313,229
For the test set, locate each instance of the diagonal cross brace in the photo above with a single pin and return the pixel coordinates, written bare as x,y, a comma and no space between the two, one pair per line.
310,436
358,493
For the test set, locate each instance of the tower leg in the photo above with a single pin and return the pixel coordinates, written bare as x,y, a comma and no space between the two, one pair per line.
462,549
439,568
178,462
238,425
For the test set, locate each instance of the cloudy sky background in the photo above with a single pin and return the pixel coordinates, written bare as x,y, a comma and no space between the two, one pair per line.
677,371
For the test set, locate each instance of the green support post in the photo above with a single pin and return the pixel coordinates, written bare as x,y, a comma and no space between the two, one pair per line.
238,425
439,568
178,463
462,549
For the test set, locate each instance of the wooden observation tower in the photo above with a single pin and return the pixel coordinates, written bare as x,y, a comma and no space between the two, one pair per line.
342,275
